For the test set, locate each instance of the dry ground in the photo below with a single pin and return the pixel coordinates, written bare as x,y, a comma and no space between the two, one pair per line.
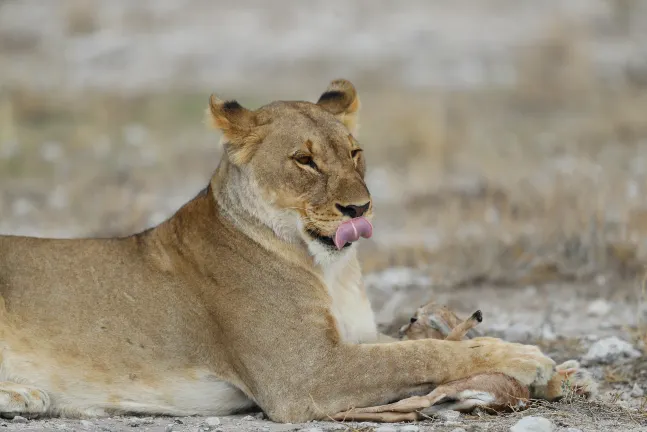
527,199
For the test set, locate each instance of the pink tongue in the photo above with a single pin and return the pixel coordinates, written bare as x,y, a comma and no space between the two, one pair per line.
352,230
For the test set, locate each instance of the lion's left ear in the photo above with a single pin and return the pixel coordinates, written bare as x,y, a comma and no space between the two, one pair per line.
238,125
341,100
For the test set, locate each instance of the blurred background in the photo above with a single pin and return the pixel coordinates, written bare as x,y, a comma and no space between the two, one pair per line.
506,139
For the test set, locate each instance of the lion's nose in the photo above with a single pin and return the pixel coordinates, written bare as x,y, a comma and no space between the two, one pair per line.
353,211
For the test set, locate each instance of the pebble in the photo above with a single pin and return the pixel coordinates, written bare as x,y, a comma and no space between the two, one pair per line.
86,424
533,424
248,418
609,350
385,429
260,415
212,421
599,307
458,430
19,419
409,428
572,430
547,332
169,427
448,415
636,391
312,429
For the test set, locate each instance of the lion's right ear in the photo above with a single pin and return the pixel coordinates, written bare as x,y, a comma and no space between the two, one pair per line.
341,100
237,125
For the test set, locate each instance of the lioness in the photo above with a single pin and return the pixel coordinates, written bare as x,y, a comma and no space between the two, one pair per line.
204,314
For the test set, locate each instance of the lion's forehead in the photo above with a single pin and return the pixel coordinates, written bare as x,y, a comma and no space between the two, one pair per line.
301,121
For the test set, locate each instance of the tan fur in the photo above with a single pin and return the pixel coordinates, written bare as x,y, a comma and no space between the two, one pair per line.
206,313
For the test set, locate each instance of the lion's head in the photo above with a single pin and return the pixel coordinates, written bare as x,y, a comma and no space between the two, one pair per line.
297,167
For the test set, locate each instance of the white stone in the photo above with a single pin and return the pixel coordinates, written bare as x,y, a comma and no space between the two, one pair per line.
385,429
409,428
609,350
86,424
212,421
547,332
448,415
599,307
636,391
533,424
19,419
458,430
248,418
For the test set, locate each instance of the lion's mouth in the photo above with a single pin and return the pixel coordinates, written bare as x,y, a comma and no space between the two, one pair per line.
347,233
327,240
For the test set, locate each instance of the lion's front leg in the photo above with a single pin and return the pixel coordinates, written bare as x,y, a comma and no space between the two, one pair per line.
363,375
491,391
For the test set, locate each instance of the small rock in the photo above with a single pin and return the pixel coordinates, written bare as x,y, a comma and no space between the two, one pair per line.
636,391
312,429
533,424
248,418
19,419
409,428
86,424
547,332
609,350
458,430
599,307
448,415
385,429
134,422
212,421
572,430
259,415
169,427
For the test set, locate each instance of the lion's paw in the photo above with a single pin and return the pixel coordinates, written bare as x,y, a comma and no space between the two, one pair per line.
577,380
526,363
19,399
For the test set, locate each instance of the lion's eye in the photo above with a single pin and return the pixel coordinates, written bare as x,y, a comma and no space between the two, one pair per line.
306,160
355,152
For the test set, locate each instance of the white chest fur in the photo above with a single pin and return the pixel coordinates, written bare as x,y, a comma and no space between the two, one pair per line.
350,305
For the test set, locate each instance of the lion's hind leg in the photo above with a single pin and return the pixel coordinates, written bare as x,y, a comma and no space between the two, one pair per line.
21,399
